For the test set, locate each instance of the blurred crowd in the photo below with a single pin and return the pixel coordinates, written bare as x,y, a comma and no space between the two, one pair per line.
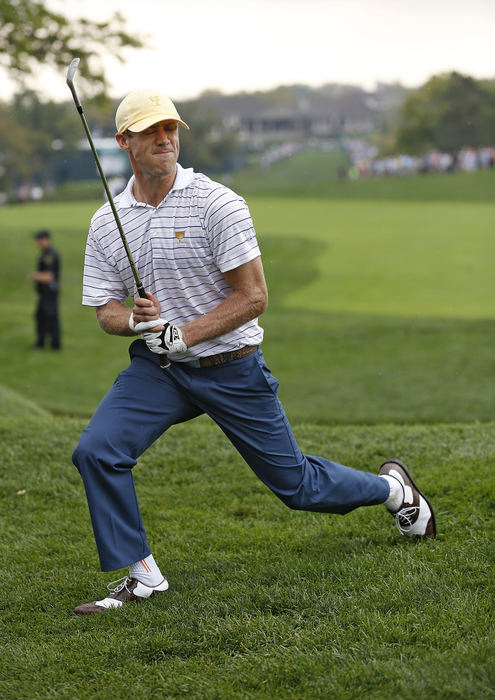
365,161
280,152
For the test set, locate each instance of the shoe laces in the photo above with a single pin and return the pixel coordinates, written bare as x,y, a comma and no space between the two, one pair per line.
405,519
118,585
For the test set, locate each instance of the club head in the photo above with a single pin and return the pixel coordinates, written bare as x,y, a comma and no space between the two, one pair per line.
71,71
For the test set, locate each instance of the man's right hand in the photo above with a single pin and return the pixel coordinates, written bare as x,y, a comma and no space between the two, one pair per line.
145,315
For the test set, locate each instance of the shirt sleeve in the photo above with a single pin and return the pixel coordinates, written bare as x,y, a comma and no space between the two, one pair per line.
101,281
229,229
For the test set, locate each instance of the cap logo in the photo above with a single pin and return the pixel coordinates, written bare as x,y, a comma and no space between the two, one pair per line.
155,100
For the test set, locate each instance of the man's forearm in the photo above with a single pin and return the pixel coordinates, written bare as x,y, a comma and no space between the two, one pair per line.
114,318
233,312
248,300
45,277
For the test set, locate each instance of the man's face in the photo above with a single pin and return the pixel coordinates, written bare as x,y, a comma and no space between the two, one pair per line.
43,242
154,151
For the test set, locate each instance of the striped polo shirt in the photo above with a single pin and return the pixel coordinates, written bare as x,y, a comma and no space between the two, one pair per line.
180,248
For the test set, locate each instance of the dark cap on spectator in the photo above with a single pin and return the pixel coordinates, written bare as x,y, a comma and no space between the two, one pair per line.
41,234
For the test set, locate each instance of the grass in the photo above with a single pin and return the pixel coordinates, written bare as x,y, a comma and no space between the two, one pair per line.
387,296
381,331
264,602
318,170
315,173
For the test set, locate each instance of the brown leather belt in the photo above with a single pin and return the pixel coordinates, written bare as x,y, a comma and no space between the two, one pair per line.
223,357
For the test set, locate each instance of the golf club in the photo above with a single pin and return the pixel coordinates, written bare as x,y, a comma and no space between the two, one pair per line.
71,71
70,82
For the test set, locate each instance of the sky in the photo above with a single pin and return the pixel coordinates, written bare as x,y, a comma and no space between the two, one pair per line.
247,45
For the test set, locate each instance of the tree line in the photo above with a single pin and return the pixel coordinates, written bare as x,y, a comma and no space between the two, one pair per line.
448,112
37,134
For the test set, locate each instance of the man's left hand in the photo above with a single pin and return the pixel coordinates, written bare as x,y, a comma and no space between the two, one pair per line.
168,340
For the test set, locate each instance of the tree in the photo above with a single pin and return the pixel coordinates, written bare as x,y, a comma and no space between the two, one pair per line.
14,162
31,131
31,35
448,113
207,147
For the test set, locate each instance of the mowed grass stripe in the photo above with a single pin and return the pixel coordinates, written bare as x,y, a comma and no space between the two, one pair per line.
406,259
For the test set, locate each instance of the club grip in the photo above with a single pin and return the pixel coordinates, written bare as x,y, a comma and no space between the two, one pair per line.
164,361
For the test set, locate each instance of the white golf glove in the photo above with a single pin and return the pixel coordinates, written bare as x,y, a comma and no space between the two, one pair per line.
168,340
145,325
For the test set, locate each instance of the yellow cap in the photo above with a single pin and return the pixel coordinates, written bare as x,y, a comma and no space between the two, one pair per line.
143,108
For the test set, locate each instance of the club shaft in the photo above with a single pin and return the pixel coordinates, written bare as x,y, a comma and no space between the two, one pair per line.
140,289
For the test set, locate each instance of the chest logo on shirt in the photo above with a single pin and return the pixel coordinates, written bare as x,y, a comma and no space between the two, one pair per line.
180,235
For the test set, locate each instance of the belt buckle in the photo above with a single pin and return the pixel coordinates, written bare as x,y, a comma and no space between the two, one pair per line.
194,363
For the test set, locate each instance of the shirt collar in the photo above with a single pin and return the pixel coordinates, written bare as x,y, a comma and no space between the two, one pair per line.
183,179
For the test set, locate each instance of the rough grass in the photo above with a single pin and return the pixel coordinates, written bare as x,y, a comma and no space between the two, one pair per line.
264,602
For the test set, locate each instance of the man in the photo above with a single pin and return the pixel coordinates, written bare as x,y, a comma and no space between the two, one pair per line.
195,248
46,280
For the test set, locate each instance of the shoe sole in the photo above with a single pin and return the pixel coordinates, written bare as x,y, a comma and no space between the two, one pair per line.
92,609
406,470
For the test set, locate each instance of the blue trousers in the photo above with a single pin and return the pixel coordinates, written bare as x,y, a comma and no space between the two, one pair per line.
241,397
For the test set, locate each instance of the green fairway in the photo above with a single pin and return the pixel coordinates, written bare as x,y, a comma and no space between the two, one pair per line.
402,258
381,329
367,299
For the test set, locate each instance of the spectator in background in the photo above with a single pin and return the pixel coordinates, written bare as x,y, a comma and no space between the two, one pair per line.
46,279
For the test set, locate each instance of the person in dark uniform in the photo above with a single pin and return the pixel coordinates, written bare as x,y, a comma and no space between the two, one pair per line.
46,280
